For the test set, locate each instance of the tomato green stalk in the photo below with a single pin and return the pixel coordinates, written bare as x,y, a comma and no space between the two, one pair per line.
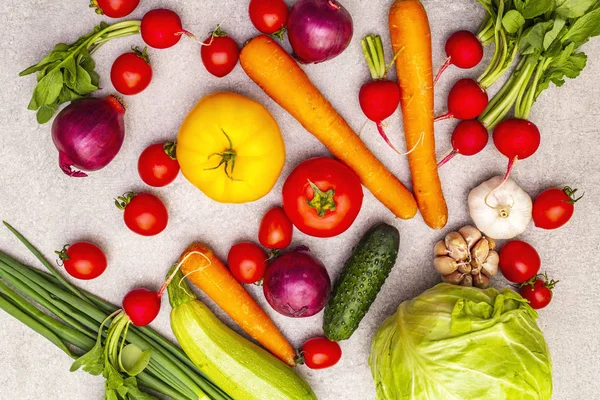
228,157
322,201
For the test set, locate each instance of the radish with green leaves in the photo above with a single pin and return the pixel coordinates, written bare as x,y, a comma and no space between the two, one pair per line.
380,97
464,50
466,100
469,138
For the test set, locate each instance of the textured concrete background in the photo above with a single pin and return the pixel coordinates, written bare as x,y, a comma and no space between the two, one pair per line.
51,209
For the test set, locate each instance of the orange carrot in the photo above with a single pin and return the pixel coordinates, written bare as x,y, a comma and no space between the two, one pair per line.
411,40
278,74
204,269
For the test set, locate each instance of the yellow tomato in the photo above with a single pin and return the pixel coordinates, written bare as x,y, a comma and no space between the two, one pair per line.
230,148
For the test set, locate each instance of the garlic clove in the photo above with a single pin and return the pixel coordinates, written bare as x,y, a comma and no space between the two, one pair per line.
454,278
445,265
492,243
457,246
490,265
471,235
481,250
467,280
481,281
475,267
465,268
440,249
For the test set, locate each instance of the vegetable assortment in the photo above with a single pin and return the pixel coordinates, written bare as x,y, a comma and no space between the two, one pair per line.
231,148
276,72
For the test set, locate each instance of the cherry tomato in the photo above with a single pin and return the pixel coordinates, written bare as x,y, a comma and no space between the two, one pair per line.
219,53
538,291
131,72
275,230
83,260
145,214
115,8
519,261
247,262
322,197
268,16
320,353
554,207
157,164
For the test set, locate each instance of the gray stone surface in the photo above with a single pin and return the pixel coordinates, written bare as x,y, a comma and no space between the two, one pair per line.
51,209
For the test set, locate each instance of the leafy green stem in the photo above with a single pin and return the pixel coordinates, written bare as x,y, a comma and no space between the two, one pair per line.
493,115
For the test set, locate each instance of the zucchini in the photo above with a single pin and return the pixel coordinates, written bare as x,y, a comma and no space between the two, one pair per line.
239,367
360,281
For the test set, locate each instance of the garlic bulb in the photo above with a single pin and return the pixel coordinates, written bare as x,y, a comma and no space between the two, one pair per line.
500,212
466,258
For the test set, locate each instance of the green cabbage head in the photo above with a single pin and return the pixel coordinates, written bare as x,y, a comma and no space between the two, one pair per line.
462,343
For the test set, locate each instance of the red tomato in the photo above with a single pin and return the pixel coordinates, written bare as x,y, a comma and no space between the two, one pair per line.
538,292
83,260
519,261
322,197
157,164
247,262
275,230
115,8
131,72
219,53
268,16
554,207
145,214
320,353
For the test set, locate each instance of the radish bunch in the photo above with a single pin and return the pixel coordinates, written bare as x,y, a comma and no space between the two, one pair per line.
380,97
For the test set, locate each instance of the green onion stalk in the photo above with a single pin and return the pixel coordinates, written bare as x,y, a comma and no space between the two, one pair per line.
73,320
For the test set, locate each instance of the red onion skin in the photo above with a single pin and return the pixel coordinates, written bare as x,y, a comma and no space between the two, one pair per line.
296,284
319,30
88,134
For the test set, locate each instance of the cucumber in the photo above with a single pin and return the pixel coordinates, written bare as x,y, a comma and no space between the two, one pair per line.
361,279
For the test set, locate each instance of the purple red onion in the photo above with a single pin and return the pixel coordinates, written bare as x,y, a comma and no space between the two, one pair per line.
296,284
319,30
88,134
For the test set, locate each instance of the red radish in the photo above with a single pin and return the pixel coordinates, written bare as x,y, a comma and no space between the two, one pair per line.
469,138
466,100
517,139
378,98
161,28
464,50
141,306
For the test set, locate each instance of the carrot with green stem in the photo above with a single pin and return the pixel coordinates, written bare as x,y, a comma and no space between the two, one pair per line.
409,31
204,269
278,74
